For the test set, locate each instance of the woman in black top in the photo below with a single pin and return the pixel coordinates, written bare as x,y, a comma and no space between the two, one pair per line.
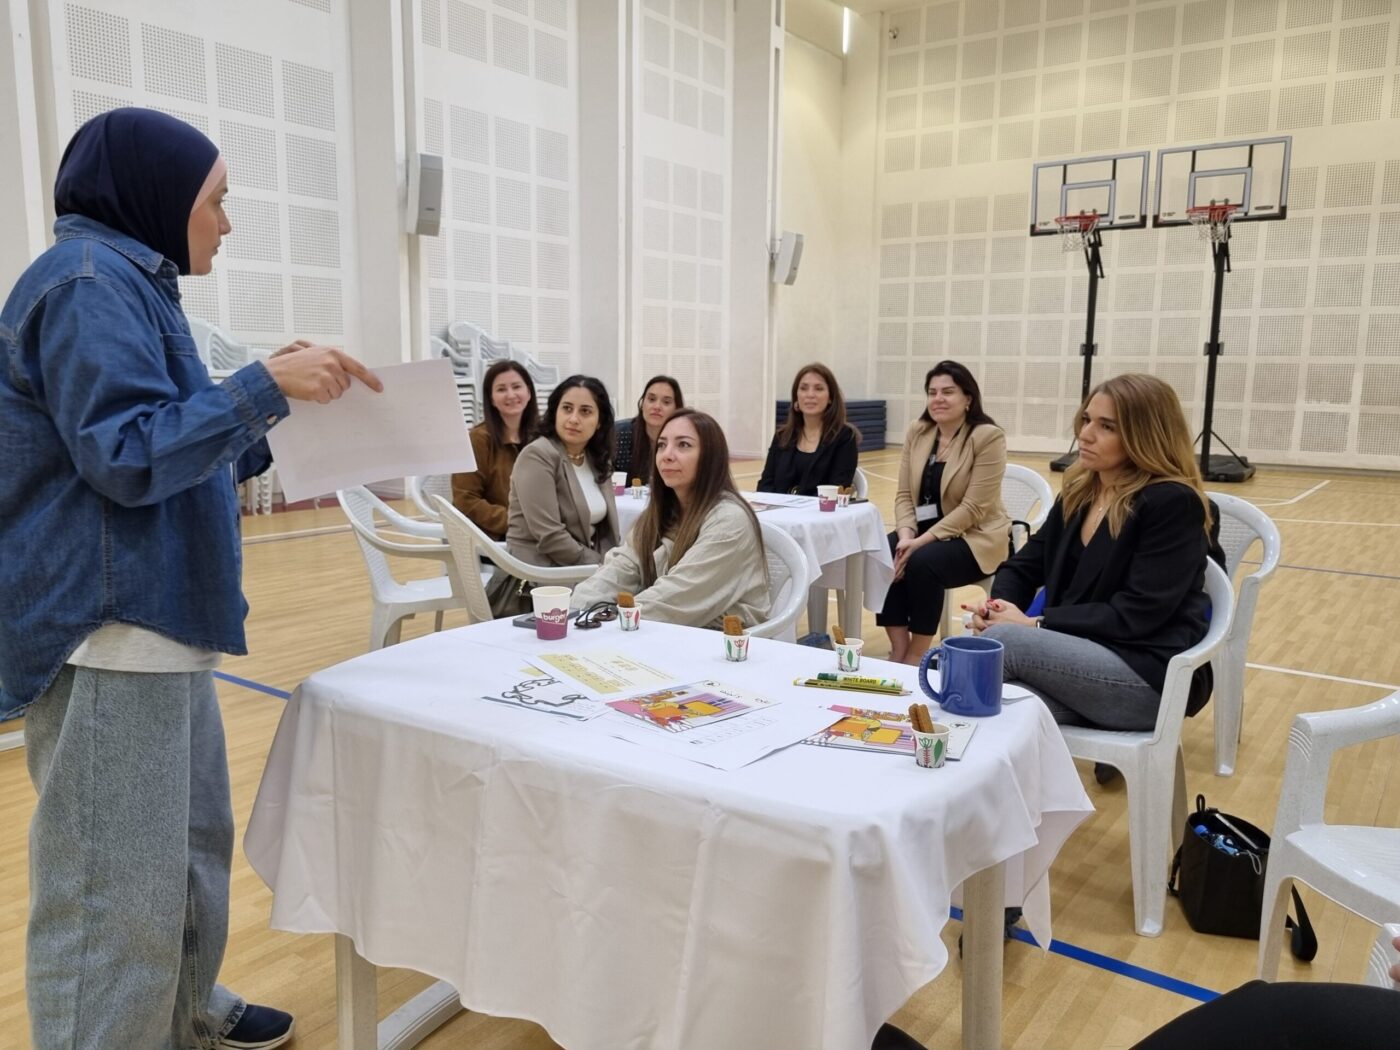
1122,559
636,438
816,446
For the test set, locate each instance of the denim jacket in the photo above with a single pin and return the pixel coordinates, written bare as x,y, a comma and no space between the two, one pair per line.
118,457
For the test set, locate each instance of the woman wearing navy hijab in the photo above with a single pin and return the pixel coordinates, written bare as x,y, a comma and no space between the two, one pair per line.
120,589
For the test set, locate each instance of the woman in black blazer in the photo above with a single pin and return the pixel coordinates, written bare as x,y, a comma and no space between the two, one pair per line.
1122,558
816,446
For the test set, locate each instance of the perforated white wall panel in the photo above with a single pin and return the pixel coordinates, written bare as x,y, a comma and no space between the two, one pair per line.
973,91
682,58
266,80
501,106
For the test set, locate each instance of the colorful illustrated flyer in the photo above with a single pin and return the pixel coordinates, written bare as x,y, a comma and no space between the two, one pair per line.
681,708
888,732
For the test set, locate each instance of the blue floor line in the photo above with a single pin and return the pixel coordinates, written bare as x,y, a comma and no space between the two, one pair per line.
1069,951
248,683
1112,965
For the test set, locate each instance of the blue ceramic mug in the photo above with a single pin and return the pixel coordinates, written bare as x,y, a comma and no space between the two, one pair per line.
970,669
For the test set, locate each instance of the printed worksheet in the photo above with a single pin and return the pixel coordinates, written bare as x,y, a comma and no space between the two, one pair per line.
728,744
605,671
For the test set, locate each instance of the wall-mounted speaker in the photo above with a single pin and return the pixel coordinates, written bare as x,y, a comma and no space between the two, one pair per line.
423,214
787,257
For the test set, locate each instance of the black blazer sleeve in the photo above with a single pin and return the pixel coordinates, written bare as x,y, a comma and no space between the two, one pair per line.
844,456
1026,571
769,480
1163,567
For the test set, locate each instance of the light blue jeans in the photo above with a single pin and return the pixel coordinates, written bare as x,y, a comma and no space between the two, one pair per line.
129,855
1081,682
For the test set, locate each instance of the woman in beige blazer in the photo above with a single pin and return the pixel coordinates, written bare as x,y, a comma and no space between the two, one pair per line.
562,508
951,527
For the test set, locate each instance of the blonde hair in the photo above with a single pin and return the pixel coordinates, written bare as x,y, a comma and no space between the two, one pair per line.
1156,440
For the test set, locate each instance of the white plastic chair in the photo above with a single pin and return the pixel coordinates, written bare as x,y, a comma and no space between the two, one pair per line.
1358,867
467,556
497,554
421,487
788,580
1241,525
1152,765
395,600
1383,956
1028,498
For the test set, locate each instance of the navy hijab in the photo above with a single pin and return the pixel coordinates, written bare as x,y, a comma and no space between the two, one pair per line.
137,171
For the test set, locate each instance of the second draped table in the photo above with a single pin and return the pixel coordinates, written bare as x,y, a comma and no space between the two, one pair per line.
846,548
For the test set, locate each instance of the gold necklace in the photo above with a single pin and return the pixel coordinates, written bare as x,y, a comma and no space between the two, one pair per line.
576,460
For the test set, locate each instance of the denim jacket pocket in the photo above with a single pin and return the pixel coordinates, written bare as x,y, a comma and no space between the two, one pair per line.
178,343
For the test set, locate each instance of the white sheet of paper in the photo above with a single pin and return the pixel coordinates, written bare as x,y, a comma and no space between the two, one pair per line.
780,499
414,427
533,689
730,744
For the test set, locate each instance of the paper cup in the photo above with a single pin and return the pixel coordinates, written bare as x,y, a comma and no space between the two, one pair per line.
828,491
825,504
551,612
629,619
619,482
736,647
638,491
843,499
848,655
931,749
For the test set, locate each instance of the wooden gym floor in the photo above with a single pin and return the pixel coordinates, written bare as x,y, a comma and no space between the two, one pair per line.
1323,639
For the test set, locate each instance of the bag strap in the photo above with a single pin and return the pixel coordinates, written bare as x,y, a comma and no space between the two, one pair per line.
1172,887
1303,943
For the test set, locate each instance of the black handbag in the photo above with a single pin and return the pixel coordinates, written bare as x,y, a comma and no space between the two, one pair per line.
1218,875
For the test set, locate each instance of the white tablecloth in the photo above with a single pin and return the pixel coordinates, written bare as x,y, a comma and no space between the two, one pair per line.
827,538
623,898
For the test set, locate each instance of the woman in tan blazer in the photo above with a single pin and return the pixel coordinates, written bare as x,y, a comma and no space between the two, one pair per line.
512,420
951,527
562,508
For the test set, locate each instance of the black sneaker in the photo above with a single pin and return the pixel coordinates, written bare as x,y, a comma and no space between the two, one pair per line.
260,1028
891,1038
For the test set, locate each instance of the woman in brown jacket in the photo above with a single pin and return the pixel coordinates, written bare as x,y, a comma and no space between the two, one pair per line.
952,528
511,423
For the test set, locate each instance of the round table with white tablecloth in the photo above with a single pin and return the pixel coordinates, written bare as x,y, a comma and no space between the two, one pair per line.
622,896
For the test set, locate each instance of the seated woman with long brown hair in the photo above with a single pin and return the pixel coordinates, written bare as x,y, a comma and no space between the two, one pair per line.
815,446
1122,558
636,438
696,553
511,422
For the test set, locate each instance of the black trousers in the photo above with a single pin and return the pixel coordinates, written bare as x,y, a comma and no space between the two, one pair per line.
1287,1016
916,601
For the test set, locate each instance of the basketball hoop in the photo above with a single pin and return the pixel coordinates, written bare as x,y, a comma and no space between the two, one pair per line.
1075,230
1212,221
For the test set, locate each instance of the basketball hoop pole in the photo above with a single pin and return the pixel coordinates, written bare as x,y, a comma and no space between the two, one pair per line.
1092,243
1232,467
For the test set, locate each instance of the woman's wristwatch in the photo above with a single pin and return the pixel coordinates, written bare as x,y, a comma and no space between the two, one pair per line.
1038,621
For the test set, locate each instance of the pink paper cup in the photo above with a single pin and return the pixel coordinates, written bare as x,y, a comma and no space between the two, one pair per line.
551,612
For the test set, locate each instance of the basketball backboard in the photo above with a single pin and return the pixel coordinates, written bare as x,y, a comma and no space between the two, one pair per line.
1252,174
1113,186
